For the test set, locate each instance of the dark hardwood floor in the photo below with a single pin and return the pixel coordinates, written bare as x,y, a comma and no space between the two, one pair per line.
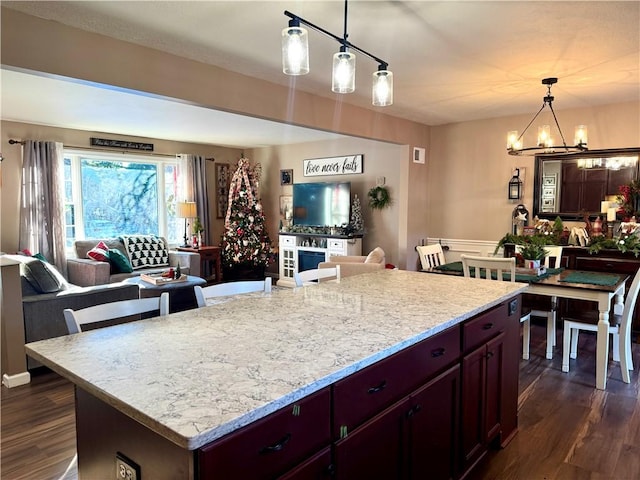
567,428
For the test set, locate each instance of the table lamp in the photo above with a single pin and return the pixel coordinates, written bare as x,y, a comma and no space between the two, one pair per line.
186,210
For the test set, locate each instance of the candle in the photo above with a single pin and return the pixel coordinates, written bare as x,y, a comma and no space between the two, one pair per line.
611,215
604,207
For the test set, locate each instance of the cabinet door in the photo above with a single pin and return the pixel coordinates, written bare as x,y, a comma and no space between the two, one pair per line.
494,374
374,451
473,394
482,382
434,428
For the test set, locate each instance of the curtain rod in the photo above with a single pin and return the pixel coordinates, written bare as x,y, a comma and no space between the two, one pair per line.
21,142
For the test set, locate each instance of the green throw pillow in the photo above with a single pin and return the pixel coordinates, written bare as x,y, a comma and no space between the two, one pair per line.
41,257
119,262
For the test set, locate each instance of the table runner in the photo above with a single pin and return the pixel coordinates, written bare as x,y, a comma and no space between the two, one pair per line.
592,278
457,268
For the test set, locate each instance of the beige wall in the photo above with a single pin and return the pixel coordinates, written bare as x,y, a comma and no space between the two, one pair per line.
469,167
380,160
459,193
11,174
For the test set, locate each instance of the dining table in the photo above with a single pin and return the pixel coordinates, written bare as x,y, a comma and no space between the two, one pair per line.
599,287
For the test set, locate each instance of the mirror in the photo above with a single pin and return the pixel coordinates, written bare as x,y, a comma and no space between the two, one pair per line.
566,186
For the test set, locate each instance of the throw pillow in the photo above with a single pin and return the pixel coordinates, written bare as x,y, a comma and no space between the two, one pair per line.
100,252
375,256
119,262
146,251
40,256
40,275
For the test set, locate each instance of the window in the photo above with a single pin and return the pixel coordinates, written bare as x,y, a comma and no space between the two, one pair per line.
108,195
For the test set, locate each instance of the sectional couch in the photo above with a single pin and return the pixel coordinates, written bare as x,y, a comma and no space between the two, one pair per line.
86,271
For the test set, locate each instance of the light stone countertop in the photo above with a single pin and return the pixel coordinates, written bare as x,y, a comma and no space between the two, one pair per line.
197,375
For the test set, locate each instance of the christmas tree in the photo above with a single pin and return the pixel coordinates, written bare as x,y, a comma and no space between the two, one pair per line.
245,240
357,223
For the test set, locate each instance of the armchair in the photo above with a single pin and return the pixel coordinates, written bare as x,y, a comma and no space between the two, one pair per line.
356,264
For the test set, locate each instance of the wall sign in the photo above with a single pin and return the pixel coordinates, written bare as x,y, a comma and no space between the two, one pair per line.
345,165
107,142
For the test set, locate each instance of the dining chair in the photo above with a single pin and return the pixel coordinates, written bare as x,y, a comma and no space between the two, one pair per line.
431,256
230,288
619,328
496,266
75,319
316,275
553,259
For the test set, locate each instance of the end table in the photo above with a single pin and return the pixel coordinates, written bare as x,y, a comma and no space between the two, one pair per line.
207,255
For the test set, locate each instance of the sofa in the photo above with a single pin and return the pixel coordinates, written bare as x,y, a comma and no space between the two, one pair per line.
90,268
46,293
357,264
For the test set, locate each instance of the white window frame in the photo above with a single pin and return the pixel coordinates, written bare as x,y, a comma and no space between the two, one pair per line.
76,183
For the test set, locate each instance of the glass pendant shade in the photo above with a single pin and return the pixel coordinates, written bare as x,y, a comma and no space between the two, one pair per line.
382,91
295,51
513,140
544,136
343,79
580,137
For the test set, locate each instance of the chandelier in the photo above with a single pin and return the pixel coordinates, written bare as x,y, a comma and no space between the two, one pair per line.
295,60
545,144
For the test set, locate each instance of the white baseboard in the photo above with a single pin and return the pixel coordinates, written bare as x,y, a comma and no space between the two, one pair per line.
16,380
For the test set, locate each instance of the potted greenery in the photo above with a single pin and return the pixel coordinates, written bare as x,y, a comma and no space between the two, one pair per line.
533,254
198,230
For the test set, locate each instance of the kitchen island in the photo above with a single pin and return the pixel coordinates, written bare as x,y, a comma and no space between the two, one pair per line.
173,393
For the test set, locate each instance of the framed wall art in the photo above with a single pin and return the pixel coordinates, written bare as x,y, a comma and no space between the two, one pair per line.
286,177
223,179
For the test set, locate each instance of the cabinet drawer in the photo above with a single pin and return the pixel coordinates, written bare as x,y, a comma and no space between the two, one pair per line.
336,245
485,326
613,265
287,241
273,445
364,394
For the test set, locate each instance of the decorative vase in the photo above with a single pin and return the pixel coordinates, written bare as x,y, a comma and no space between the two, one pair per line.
531,263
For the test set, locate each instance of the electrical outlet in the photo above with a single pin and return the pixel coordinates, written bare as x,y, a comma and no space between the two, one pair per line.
126,469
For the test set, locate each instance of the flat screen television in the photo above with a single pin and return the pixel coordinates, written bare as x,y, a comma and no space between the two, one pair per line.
321,204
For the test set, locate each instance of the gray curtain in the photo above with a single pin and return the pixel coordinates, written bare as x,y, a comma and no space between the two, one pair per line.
201,196
193,187
42,201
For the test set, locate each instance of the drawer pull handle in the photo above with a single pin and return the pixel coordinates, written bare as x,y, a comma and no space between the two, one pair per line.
438,352
487,326
378,388
413,410
277,446
490,354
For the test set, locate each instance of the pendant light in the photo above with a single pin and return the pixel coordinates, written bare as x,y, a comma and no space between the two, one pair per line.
545,143
295,60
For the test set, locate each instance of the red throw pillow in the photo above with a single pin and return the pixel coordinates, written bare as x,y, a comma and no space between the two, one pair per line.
100,252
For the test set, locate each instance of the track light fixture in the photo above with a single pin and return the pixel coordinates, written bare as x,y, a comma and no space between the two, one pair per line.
295,60
545,142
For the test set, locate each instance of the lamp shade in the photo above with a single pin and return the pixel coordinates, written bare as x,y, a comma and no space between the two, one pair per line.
343,79
382,92
186,210
295,50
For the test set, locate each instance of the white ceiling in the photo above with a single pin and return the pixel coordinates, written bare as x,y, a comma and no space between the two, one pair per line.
452,60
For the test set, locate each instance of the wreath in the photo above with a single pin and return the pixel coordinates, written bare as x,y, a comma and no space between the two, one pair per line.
379,197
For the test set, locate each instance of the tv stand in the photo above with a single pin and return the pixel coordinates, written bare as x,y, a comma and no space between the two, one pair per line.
311,246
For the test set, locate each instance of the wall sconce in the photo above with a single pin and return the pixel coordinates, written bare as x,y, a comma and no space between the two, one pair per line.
515,186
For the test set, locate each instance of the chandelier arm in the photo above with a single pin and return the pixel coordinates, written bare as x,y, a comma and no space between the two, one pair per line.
558,125
341,41
532,120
